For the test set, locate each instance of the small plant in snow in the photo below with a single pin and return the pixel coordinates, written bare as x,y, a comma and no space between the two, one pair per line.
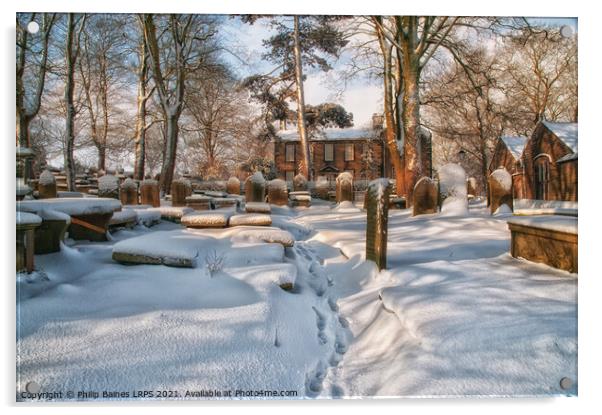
214,262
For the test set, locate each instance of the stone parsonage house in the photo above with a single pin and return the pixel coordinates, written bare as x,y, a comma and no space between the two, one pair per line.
359,151
543,166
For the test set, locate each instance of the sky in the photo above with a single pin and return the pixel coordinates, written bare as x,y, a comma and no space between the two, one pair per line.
361,97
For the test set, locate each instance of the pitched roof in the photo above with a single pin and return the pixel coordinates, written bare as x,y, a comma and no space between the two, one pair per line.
515,145
331,134
567,132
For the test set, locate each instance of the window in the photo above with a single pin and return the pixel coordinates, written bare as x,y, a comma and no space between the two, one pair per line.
328,152
542,177
349,150
289,175
290,152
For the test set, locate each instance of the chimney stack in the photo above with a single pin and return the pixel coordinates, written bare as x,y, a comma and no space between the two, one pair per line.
378,121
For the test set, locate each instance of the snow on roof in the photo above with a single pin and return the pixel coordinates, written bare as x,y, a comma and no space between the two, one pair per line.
331,134
515,145
568,157
565,131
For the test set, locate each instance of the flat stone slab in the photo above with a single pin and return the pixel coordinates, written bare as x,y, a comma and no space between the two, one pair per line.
258,207
564,224
191,247
124,217
206,220
268,235
73,206
253,219
173,213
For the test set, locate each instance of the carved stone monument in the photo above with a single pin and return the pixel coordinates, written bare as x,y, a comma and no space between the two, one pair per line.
377,215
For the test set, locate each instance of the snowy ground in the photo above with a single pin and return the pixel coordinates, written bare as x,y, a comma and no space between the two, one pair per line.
453,314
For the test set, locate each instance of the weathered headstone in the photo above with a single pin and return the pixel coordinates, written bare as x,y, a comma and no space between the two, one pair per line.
299,183
47,185
377,216
452,190
255,188
233,186
322,188
180,189
149,193
129,192
500,189
108,186
426,193
344,190
471,186
277,192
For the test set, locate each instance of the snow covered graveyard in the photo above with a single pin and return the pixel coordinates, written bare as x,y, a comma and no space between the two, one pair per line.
292,307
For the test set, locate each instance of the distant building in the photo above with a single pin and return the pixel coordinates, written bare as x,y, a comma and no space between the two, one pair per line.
359,151
544,166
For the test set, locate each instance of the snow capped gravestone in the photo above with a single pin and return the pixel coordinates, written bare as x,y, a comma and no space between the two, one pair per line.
149,193
322,188
277,192
452,190
500,190
344,187
233,186
425,196
471,186
180,189
129,192
299,183
46,185
377,215
255,188
108,186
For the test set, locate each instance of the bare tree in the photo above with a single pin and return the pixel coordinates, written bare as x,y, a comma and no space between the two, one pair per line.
186,34
27,106
72,49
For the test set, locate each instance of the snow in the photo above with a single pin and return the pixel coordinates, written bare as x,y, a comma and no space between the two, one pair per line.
344,177
545,207
207,220
504,178
269,235
457,315
256,178
515,144
256,219
25,218
568,157
452,186
258,207
346,207
567,132
300,198
173,211
213,193
46,178
129,184
503,209
49,214
108,183
566,224
73,206
331,134
24,151
278,184
124,216
149,182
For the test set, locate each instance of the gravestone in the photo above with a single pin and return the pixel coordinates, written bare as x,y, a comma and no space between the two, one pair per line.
108,186
255,188
322,188
344,187
149,193
377,216
452,190
233,186
277,192
129,192
47,185
426,193
471,186
299,183
500,189
180,189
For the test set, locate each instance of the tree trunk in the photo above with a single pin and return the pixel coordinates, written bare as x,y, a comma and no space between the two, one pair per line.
304,167
71,58
140,140
167,170
390,136
411,125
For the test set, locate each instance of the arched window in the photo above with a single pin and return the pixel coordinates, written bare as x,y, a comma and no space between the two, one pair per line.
542,176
